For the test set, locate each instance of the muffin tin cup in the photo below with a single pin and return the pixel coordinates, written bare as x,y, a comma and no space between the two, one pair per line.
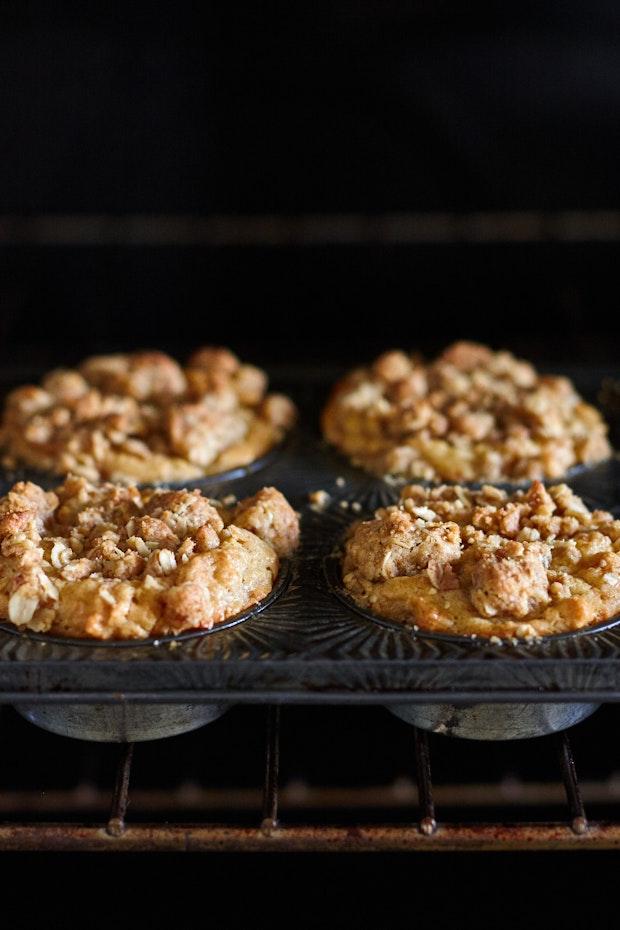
122,721
478,721
493,721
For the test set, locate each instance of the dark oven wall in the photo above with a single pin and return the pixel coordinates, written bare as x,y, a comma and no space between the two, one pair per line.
345,176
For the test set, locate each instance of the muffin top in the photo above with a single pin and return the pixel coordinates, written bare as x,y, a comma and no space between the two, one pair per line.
470,415
487,563
108,561
142,417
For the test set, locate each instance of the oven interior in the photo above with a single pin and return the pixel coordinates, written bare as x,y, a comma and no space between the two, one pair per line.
337,180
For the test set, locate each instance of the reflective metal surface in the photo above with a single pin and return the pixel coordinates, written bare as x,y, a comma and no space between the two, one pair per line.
493,721
121,723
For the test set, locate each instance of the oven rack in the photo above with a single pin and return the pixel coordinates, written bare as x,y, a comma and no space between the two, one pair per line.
425,831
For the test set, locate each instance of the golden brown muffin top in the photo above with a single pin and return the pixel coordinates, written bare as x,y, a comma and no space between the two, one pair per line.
471,415
487,563
114,562
142,417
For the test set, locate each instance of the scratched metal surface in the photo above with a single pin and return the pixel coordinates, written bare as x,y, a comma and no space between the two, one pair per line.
308,644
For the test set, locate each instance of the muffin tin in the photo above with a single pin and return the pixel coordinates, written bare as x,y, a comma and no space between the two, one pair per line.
307,644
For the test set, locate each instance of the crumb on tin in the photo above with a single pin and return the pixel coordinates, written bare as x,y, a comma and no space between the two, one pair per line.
319,500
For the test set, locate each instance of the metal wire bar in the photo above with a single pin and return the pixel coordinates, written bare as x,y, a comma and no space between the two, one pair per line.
188,796
492,837
272,769
120,799
310,229
579,821
428,824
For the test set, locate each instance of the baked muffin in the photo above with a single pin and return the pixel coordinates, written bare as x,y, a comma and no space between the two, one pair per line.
112,562
471,415
143,418
487,563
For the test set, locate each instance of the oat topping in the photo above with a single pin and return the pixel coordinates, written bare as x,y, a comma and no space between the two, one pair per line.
471,415
487,563
141,417
319,500
113,562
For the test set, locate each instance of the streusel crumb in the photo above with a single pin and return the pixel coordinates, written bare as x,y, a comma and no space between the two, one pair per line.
487,563
144,418
319,500
471,415
112,562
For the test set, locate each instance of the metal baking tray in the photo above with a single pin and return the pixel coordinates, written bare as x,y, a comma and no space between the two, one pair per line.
307,645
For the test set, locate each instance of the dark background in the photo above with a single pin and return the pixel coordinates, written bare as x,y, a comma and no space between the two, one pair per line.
309,181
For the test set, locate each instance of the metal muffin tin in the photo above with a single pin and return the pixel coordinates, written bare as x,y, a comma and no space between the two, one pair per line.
478,721
122,722
309,646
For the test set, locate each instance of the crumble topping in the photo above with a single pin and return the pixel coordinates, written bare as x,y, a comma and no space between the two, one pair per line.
108,561
471,415
319,500
142,417
487,563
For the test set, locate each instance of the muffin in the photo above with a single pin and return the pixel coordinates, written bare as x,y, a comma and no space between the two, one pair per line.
112,562
486,563
471,415
143,418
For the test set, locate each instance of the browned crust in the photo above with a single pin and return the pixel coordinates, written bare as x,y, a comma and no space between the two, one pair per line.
471,415
142,418
113,562
486,563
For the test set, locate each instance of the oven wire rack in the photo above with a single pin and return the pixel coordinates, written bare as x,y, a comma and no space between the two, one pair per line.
426,831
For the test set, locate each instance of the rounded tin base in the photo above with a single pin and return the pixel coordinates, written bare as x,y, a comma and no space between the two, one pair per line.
120,723
493,721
